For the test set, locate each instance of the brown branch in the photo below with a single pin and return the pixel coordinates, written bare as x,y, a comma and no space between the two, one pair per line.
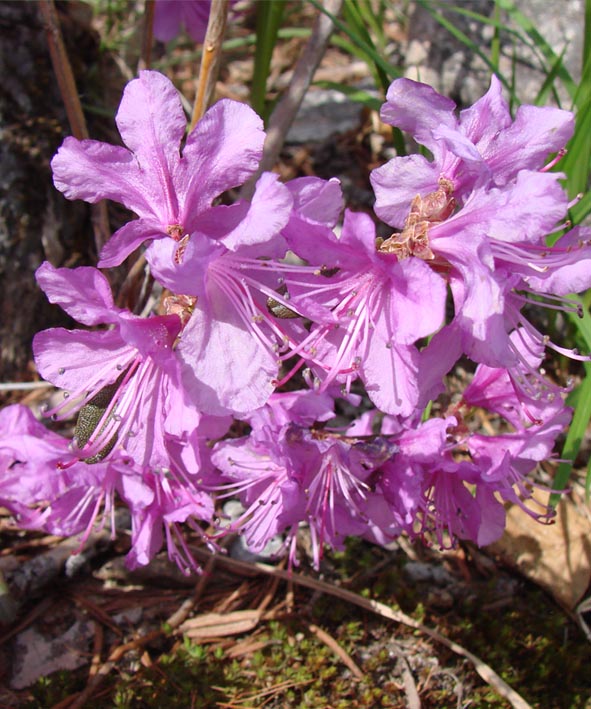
63,69
210,58
147,35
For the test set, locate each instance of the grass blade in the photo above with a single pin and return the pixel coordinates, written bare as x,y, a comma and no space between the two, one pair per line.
461,37
269,16
574,437
581,399
541,44
391,71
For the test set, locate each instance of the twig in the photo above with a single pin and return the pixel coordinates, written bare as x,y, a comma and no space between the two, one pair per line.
24,386
485,671
210,58
67,86
287,108
97,649
31,577
63,69
331,643
413,700
147,35
138,270
43,605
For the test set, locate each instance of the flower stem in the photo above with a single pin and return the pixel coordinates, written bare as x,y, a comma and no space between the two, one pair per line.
210,60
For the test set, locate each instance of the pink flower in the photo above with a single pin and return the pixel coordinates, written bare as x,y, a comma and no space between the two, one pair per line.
286,474
124,382
379,306
170,16
473,213
483,145
170,191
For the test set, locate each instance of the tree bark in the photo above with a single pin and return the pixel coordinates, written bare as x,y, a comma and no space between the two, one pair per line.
36,221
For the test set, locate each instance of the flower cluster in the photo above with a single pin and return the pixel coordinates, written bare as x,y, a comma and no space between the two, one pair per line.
278,312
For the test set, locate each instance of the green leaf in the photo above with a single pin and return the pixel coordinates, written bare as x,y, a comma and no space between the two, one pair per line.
574,437
269,16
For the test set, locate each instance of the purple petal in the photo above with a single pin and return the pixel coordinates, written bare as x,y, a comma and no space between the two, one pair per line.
78,360
188,276
222,151
526,144
90,170
316,200
419,110
225,367
170,14
492,517
414,305
513,213
267,214
575,275
398,182
152,124
167,19
436,360
152,337
490,115
389,372
126,240
84,293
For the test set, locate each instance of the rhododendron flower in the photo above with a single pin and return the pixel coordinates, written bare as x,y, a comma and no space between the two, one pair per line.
495,243
170,16
286,474
124,381
170,191
483,145
168,502
507,458
236,334
29,456
46,487
380,306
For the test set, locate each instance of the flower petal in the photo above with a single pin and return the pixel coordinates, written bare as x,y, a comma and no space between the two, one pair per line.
222,151
91,170
267,214
84,293
77,359
398,182
418,109
126,240
225,367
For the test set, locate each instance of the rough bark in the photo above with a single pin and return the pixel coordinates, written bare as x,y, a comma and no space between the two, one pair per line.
36,222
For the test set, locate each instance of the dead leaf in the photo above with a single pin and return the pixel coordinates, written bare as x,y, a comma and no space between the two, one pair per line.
555,556
215,625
